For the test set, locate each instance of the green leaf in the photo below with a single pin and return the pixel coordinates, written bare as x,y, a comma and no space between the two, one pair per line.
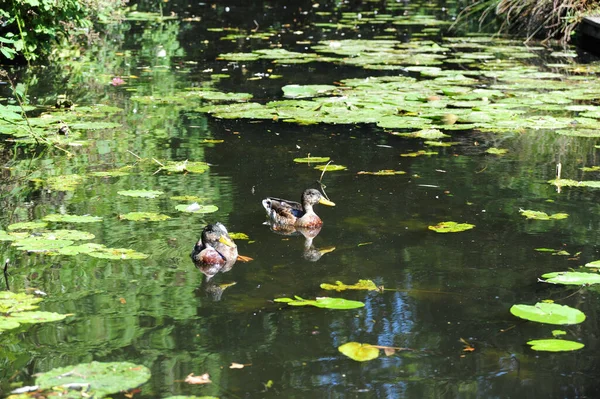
239,236
330,168
550,313
27,226
575,183
324,302
36,317
572,278
100,379
187,198
75,235
196,208
298,91
385,172
451,227
65,218
418,153
144,216
140,193
38,244
558,333
185,166
537,215
361,285
65,183
116,253
496,151
312,160
555,345
429,134
359,352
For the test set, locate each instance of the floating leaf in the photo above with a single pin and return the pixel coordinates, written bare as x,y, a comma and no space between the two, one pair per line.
36,244
496,151
197,208
27,226
140,193
98,379
109,173
19,308
451,227
185,166
384,172
239,236
312,160
359,352
116,253
79,249
550,313
537,215
65,218
305,91
4,236
324,302
75,235
575,183
572,278
198,379
429,134
187,198
555,345
330,168
558,333
418,153
361,285
144,216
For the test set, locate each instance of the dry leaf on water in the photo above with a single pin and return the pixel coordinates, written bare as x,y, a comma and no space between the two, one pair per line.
236,366
198,379
243,258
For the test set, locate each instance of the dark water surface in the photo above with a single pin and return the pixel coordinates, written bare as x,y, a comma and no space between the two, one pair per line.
445,291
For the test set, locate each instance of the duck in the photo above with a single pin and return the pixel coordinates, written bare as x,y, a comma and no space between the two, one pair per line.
291,213
215,251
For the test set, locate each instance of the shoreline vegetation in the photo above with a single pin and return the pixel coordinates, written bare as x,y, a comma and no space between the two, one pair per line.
540,19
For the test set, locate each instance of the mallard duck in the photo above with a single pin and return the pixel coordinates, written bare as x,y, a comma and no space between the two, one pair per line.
286,212
215,251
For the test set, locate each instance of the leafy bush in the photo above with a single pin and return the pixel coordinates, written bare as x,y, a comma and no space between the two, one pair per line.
29,28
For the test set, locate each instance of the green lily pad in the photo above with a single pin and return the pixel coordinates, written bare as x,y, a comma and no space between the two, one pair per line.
575,183
187,198
330,168
312,160
451,227
549,313
144,216
80,249
99,379
558,333
385,172
239,236
109,173
65,218
141,193
38,244
33,317
554,345
19,308
116,253
196,208
324,302
74,235
185,167
27,226
361,285
429,134
359,352
306,91
496,151
572,278
4,236
537,215
418,153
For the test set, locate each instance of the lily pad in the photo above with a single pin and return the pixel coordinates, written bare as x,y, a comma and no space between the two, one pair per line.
65,183
109,173
4,236
549,313
572,278
116,253
429,134
65,218
187,198
451,227
555,345
385,172
27,226
312,160
74,235
361,285
575,183
537,215
496,151
20,308
359,352
330,168
80,249
99,379
141,193
197,208
239,236
324,302
37,244
305,91
418,153
144,216
185,167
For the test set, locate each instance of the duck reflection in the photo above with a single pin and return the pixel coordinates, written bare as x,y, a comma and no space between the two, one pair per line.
309,252
215,252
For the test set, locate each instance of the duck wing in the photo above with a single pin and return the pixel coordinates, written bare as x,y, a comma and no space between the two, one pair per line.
283,207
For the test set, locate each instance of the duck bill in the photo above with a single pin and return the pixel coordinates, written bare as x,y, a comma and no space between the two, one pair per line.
325,201
226,241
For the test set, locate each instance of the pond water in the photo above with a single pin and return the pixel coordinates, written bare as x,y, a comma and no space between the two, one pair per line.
446,297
